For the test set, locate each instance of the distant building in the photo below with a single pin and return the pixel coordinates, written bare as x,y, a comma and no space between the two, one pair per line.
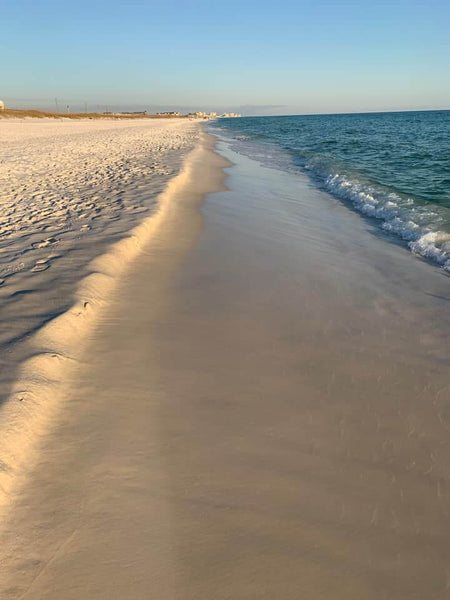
171,113
197,115
2,105
202,115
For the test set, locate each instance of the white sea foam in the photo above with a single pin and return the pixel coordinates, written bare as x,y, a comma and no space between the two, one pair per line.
425,227
418,224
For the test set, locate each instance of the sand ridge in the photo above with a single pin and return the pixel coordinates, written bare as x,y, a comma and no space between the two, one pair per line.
57,177
120,160
68,190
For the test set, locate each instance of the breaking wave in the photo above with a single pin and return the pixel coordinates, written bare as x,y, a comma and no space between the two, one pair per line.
417,224
392,167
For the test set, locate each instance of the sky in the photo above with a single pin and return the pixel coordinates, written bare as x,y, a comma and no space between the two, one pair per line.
255,57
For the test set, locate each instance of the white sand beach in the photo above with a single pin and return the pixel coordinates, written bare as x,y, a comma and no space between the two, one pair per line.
70,191
242,415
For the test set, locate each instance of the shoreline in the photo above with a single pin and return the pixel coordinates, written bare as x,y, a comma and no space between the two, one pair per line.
420,219
251,417
40,386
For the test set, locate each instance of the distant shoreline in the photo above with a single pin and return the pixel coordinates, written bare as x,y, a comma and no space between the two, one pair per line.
41,114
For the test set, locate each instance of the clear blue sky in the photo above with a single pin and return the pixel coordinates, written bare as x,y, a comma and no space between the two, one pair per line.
268,57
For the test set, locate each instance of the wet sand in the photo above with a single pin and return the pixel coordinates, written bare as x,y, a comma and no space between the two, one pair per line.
262,412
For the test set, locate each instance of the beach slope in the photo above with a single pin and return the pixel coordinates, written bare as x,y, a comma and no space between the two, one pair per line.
252,418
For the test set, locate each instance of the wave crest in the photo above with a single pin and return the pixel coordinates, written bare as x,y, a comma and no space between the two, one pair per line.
419,225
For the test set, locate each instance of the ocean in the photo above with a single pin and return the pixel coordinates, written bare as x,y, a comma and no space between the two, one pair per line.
393,167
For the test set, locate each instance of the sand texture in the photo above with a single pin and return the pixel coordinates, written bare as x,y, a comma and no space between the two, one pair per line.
68,189
75,202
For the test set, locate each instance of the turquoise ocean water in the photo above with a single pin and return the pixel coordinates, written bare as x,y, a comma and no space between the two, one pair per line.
393,167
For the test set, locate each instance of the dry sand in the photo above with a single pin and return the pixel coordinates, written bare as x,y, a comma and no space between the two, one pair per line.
262,411
69,191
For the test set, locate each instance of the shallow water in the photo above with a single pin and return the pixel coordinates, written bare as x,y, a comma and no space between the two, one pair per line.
394,167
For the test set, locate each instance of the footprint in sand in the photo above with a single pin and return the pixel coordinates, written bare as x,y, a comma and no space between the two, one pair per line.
41,265
44,243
